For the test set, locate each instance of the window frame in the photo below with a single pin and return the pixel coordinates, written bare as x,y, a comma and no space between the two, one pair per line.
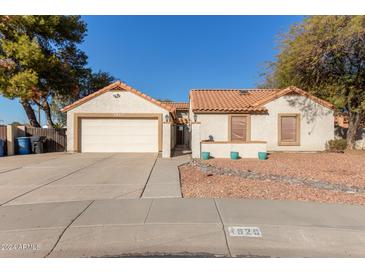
248,127
297,130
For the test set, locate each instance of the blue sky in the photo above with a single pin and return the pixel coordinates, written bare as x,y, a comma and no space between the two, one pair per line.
166,56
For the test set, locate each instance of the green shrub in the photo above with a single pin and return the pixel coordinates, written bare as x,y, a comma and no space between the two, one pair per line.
337,145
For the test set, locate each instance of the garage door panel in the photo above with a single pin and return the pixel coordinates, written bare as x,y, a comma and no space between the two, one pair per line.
119,135
112,148
125,140
112,122
117,131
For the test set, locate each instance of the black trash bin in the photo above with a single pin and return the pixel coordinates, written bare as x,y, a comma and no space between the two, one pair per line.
37,144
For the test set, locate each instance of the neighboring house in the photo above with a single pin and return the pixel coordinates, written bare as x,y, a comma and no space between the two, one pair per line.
342,120
119,118
341,127
253,120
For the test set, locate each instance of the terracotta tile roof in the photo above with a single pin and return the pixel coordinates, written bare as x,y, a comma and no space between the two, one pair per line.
241,100
178,105
228,100
118,85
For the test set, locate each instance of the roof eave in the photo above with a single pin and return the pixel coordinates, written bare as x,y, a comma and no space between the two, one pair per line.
227,111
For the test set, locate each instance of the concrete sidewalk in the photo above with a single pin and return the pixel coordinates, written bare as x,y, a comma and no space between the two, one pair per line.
164,181
181,227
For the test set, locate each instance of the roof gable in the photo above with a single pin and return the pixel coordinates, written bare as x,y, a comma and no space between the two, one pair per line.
291,90
118,85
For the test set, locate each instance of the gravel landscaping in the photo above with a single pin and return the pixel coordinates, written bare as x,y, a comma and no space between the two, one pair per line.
323,177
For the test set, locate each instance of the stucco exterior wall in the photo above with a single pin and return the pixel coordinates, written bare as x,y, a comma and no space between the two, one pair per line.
173,136
195,140
111,102
316,126
166,140
245,150
215,125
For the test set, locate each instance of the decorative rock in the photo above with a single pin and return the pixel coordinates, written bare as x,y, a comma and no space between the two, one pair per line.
211,170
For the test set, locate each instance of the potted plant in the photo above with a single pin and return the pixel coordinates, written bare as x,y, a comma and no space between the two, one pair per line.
205,155
234,155
262,155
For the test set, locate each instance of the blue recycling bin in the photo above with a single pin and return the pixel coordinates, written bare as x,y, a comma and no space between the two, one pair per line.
2,148
23,144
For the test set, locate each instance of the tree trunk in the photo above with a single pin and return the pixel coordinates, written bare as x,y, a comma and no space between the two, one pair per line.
354,125
30,113
47,110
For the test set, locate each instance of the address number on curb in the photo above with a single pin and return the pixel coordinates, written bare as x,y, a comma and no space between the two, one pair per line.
244,231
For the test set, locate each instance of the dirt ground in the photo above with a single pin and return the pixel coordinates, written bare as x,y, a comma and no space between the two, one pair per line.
338,168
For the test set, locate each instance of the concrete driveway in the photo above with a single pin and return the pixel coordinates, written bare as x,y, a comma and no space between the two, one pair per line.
60,177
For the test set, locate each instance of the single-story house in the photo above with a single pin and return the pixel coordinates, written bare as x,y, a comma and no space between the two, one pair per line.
252,120
119,118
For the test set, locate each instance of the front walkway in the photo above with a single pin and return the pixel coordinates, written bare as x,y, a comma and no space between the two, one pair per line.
181,227
164,181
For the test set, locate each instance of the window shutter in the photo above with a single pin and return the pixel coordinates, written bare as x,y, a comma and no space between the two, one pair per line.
238,128
289,128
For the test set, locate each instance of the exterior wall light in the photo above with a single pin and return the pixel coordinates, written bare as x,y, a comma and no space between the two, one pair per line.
195,117
167,118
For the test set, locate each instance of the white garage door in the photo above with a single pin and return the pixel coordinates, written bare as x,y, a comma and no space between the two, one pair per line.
119,135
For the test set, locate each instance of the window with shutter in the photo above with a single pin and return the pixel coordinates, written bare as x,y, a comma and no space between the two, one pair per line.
239,128
289,129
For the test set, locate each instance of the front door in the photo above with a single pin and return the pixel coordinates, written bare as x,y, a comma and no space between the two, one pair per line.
180,135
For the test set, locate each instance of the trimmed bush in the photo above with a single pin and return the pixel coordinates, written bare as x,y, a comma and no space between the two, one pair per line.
337,145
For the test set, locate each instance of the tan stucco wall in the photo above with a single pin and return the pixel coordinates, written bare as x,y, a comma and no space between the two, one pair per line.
317,124
127,102
195,140
173,136
166,140
215,125
245,150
